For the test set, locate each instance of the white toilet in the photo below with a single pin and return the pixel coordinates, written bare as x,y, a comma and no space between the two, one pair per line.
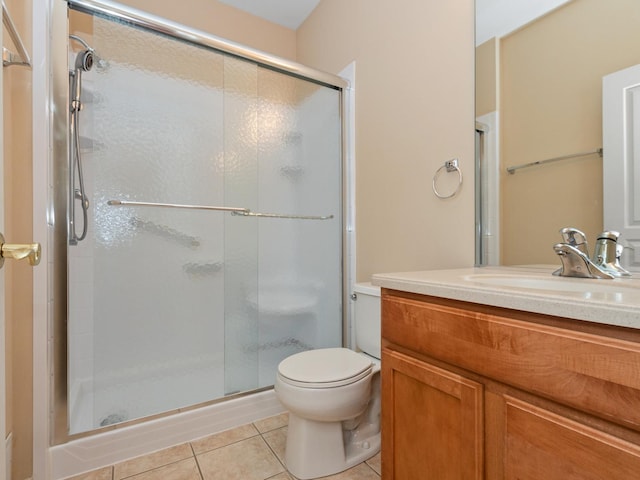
333,398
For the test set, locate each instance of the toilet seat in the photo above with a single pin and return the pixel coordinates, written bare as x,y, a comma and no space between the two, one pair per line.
324,368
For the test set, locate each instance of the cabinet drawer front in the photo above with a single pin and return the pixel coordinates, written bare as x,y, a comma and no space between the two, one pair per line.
540,444
596,374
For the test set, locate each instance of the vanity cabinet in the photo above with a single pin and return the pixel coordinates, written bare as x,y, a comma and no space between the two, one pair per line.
478,392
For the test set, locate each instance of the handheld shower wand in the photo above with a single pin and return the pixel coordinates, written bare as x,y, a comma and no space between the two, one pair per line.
84,63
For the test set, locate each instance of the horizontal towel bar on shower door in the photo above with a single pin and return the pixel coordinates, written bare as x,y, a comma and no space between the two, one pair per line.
283,215
245,212
127,203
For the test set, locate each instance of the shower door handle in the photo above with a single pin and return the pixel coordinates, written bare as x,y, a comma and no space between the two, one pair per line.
30,251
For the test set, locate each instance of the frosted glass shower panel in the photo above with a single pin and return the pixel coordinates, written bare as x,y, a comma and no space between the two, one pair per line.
152,330
283,288
299,293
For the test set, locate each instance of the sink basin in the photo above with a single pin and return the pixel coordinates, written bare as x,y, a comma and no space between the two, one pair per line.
585,286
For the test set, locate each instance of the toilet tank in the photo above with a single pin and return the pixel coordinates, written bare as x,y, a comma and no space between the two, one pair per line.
366,317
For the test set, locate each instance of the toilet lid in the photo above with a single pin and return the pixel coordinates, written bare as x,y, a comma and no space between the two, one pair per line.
325,367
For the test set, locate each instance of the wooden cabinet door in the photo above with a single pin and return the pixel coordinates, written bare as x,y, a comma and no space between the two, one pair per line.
539,444
432,422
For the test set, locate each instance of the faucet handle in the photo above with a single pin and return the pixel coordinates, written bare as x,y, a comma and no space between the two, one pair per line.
575,238
607,254
606,247
609,235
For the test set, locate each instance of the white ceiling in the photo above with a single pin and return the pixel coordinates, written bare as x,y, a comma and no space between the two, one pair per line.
494,18
497,18
288,13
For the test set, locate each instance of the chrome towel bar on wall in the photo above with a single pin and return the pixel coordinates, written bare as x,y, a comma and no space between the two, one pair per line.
513,169
234,210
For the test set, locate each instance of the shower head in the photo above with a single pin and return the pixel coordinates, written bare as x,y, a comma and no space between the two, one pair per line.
84,61
87,58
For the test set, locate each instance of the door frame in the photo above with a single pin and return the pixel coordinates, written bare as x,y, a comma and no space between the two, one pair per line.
42,333
3,386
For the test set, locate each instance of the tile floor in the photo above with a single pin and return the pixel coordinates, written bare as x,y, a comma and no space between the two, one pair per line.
250,452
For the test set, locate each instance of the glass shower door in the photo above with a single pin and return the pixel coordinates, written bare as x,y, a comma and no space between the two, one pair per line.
146,326
171,307
283,160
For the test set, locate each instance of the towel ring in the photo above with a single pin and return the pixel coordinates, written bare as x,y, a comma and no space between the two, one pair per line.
449,166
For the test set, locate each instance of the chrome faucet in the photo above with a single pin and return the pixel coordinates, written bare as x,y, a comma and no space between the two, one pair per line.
574,255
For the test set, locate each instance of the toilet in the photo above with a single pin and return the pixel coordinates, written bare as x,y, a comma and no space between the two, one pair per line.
333,398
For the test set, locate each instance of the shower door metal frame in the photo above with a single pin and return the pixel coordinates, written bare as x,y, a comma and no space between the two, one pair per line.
480,133
59,175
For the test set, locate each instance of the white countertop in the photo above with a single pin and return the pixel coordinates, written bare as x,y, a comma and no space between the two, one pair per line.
528,288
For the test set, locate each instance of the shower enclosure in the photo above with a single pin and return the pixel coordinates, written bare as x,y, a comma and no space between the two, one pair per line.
213,178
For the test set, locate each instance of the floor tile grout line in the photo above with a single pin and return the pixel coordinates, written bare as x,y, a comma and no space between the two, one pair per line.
274,476
281,462
271,430
195,457
151,469
221,446
371,468
113,466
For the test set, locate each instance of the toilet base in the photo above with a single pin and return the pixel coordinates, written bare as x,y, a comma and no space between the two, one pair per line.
317,449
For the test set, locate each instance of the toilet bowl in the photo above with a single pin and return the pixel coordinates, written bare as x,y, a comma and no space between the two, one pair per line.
333,399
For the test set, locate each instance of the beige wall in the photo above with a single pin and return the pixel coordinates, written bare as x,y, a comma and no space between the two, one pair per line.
18,229
224,21
487,76
414,110
551,104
